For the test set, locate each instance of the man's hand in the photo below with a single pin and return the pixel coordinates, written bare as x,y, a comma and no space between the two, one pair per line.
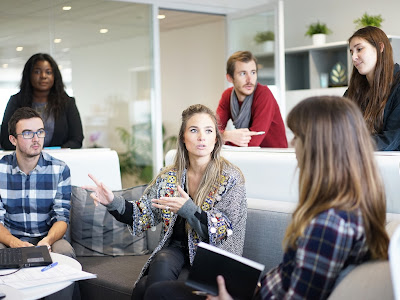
17,243
240,137
11,241
45,242
222,292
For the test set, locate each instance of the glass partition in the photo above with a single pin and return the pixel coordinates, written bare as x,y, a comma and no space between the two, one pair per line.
260,31
105,53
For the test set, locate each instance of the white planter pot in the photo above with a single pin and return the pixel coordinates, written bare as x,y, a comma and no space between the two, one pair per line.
319,39
268,46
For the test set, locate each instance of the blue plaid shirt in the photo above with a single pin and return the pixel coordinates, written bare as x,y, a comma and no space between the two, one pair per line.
333,240
31,203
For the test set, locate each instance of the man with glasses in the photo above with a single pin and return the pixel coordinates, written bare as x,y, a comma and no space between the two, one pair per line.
35,189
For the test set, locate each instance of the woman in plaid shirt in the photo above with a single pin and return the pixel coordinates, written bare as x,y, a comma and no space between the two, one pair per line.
340,218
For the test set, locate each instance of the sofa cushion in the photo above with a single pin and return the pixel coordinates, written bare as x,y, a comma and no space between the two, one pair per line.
370,280
267,221
95,232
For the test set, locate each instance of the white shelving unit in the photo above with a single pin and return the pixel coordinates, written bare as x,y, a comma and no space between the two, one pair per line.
304,65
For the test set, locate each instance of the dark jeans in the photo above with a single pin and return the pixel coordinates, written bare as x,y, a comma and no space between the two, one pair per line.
166,266
167,290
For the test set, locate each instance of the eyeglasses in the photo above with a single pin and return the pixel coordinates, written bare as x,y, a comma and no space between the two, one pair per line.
30,134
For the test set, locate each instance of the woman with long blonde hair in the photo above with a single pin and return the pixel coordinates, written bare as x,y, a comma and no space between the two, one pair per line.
340,218
200,198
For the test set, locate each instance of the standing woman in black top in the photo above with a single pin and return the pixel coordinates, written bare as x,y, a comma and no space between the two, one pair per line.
375,86
42,89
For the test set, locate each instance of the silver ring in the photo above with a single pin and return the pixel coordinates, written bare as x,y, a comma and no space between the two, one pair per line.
167,207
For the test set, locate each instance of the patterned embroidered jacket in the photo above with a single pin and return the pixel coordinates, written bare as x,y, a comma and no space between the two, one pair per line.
225,206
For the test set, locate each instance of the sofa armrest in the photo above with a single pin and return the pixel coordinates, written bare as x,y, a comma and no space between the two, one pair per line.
368,281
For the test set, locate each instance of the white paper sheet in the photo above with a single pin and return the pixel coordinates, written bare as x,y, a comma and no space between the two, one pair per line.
32,277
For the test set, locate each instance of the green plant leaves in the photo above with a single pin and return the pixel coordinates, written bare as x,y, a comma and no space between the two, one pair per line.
368,20
316,28
264,36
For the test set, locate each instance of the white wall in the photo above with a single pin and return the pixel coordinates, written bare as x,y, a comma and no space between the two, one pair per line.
105,87
192,70
338,15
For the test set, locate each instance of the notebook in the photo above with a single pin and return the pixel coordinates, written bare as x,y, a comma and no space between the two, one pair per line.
12,258
241,274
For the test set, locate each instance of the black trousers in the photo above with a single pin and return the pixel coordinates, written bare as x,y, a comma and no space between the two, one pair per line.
166,266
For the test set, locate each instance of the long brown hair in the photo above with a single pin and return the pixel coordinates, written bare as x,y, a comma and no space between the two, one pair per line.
372,99
337,168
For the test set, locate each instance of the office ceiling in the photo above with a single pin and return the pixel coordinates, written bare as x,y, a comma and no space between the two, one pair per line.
34,24
220,6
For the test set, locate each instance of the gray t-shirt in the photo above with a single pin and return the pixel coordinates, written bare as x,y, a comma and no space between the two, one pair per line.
48,121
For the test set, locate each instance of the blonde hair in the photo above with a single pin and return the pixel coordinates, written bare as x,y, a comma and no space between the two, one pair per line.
214,168
337,168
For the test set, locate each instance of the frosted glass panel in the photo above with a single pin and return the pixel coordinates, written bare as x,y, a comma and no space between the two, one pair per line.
109,74
242,32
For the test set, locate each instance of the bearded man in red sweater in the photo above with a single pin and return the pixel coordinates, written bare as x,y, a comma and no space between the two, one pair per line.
251,106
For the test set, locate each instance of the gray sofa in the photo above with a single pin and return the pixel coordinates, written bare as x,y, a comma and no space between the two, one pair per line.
265,228
271,183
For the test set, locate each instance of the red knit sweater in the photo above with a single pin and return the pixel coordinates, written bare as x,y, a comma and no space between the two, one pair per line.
265,116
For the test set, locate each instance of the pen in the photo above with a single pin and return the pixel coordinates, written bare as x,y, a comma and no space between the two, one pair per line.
50,266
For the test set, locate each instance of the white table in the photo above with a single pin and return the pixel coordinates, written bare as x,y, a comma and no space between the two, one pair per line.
11,293
43,290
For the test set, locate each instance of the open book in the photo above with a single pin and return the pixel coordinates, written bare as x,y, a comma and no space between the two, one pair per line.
241,274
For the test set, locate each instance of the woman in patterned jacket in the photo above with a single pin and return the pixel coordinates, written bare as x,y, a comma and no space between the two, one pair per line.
340,219
201,197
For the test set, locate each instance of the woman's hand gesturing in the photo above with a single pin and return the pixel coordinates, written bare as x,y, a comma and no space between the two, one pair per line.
171,203
101,193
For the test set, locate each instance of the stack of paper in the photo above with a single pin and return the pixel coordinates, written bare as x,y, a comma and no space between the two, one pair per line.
33,277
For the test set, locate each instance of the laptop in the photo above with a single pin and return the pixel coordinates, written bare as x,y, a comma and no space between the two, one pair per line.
14,258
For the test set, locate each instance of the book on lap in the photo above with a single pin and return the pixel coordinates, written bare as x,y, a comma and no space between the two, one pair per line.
241,274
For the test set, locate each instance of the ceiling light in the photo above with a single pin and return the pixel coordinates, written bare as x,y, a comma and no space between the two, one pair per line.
103,30
19,49
57,41
160,17
67,7
5,66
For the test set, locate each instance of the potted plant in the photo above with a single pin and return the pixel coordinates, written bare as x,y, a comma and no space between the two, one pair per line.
136,163
368,20
266,39
318,32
